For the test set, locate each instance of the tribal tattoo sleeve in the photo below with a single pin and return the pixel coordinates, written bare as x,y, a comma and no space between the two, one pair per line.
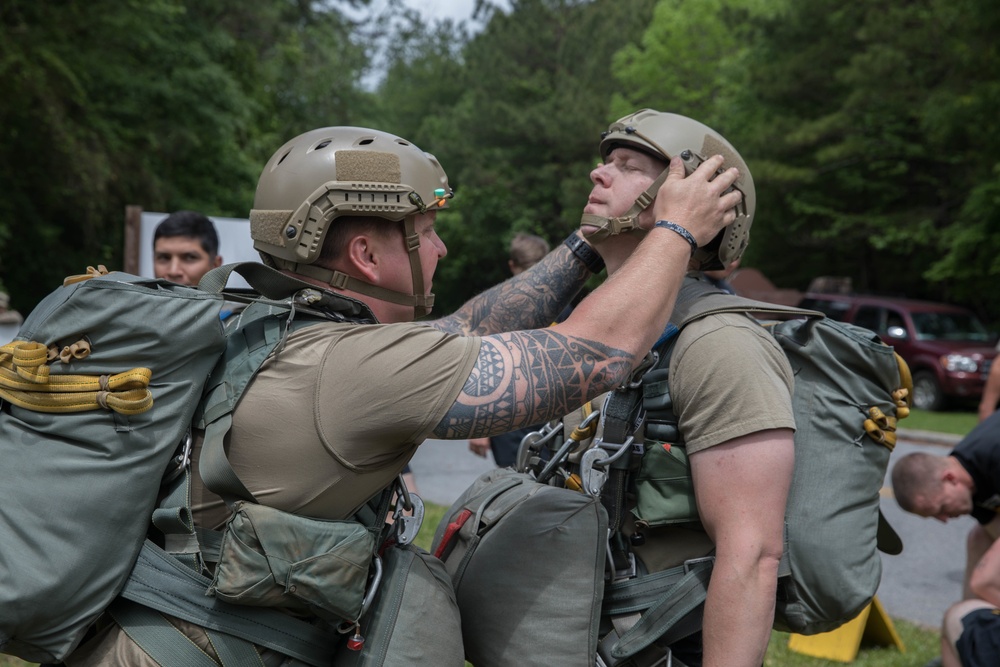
530,300
528,377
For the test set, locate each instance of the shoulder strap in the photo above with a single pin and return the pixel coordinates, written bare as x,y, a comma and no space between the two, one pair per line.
276,285
261,328
698,299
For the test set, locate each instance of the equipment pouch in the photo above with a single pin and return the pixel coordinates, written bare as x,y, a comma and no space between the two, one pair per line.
663,487
271,558
415,619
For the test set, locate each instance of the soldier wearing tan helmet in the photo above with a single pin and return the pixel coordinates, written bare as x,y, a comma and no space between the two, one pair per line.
331,419
729,381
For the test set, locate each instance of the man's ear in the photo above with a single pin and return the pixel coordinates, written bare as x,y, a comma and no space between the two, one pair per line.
363,258
217,262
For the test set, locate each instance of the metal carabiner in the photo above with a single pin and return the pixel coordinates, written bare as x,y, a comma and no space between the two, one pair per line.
567,446
635,378
349,626
624,447
182,460
532,443
407,526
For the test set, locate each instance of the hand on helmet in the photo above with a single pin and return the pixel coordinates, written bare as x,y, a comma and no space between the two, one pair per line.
700,202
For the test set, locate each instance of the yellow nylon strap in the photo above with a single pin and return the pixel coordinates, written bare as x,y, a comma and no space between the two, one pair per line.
101,270
904,395
581,434
881,427
26,382
27,358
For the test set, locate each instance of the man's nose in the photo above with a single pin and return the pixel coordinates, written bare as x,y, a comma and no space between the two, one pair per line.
599,174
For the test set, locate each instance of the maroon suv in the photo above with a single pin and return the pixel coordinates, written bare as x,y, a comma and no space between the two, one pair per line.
948,349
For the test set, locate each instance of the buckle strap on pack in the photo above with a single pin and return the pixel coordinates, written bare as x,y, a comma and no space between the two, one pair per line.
159,582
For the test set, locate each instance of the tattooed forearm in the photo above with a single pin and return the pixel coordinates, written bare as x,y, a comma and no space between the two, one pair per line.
528,377
530,300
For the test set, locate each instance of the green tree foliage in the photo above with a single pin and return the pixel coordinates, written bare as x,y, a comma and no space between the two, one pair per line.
515,121
163,103
868,126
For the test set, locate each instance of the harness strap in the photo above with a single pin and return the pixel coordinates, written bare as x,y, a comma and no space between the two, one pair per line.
167,645
168,586
155,635
664,599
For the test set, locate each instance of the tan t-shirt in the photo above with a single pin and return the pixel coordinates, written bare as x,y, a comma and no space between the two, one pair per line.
728,378
334,417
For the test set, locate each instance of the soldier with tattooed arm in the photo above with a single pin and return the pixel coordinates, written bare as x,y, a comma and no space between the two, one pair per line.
334,416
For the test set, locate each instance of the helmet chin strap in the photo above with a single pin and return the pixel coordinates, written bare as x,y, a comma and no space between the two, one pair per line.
629,222
422,303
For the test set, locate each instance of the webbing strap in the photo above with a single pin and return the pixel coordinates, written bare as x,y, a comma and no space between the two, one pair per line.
660,620
698,299
620,417
214,467
155,635
234,652
606,227
168,646
159,582
619,414
267,281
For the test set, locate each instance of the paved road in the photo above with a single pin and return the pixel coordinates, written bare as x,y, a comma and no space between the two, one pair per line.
917,585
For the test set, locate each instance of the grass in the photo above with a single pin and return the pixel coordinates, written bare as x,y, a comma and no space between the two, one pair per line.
955,423
919,644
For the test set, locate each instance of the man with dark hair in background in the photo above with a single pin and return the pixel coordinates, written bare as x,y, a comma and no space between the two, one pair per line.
185,247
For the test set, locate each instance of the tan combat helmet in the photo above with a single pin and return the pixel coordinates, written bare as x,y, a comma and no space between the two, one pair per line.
344,171
665,135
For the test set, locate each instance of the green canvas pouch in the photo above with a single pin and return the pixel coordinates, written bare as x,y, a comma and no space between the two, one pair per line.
271,558
663,487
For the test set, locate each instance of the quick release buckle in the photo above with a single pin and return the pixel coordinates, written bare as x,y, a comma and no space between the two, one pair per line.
690,564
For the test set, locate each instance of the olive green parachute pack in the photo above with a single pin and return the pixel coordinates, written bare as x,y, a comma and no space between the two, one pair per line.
850,389
100,393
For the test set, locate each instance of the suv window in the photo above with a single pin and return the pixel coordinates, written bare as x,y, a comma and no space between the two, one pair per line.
949,326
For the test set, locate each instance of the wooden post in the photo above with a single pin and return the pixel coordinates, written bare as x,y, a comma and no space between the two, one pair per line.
133,232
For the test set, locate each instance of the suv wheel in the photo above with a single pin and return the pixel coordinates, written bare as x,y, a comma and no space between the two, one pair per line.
927,394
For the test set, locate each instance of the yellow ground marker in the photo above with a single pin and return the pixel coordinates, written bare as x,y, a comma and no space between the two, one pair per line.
872,626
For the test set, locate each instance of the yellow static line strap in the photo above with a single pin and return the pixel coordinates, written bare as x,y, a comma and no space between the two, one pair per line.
101,270
580,434
26,382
